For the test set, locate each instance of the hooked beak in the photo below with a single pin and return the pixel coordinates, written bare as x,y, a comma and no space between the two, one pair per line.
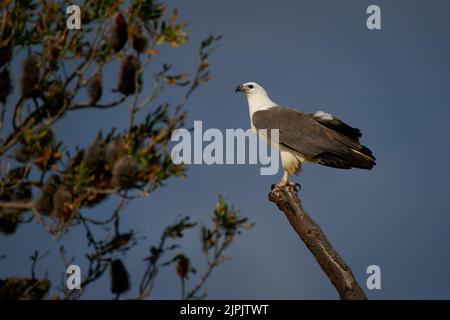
239,88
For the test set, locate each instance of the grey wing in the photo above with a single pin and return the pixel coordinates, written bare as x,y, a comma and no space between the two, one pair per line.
301,132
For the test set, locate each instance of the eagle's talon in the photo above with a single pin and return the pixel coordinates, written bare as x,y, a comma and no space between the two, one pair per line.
292,184
281,184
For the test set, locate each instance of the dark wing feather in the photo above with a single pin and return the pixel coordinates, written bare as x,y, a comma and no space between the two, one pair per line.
301,132
339,126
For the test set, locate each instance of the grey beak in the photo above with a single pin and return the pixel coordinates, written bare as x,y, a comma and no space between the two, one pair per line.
239,88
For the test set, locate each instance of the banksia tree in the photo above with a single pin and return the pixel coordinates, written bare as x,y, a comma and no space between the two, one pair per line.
60,185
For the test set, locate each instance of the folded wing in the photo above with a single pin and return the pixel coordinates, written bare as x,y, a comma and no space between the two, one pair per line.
321,138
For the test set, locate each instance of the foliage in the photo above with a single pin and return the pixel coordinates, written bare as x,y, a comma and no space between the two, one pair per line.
44,179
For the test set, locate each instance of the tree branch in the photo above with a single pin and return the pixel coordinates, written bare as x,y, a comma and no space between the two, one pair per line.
309,231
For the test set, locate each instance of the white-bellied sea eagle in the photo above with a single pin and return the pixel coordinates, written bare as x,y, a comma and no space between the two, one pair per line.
305,137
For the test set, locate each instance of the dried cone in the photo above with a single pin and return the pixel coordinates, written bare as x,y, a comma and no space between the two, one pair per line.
125,172
119,34
94,158
9,217
54,97
23,192
120,281
6,47
61,201
140,42
52,48
45,202
30,77
95,88
5,54
75,161
182,266
9,221
113,150
127,77
5,85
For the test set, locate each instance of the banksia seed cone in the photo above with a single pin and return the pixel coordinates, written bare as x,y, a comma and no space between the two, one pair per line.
125,172
9,217
140,42
182,266
94,158
5,54
95,88
30,77
6,48
127,77
75,161
54,97
113,150
45,202
120,281
9,220
5,85
119,34
52,48
23,192
61,200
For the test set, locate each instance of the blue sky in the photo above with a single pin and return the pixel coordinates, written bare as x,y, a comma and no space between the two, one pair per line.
312,55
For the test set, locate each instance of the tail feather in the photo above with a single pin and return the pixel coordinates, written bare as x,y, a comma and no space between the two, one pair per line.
362,159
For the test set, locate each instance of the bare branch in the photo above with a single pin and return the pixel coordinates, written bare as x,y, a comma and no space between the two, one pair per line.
87,104
309,231
16,204
218,259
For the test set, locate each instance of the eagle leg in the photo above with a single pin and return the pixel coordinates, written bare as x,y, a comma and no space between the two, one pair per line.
285,182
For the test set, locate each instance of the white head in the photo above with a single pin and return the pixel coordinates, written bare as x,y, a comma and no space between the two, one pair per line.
257,97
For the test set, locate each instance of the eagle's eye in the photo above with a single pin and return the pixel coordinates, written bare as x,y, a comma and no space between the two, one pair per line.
250,86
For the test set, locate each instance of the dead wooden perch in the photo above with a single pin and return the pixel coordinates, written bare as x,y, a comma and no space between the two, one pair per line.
312,235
